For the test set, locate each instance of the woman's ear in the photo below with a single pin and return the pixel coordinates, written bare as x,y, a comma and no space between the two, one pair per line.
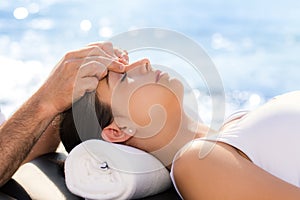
112,133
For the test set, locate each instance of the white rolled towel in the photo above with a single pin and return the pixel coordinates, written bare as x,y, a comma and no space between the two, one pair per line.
96,169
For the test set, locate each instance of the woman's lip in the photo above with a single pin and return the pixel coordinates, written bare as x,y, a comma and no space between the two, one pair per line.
158,75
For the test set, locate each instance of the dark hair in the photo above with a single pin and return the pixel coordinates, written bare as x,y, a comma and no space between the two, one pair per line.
84,120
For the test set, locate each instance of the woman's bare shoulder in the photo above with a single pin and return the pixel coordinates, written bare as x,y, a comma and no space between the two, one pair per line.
214,170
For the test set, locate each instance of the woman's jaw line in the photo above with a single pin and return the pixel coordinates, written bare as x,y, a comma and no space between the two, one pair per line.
189,130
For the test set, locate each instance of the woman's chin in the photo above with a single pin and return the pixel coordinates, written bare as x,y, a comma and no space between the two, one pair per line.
177,88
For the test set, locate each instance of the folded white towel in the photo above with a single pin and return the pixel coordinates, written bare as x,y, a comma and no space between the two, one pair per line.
96,169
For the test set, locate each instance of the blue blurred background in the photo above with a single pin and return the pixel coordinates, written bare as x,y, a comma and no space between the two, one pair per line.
254,44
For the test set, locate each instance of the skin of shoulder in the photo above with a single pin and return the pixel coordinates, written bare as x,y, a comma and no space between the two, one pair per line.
213,170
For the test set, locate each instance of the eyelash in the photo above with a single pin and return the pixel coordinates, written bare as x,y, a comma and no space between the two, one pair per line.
123,77
122,128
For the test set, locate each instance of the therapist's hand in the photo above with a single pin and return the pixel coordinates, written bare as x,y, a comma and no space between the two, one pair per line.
113,52
79,72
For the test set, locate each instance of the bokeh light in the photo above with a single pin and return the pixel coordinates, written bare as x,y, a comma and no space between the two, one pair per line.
256,52
20,13
85,25
105,32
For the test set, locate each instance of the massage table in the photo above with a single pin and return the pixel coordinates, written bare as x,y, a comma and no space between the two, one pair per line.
43,179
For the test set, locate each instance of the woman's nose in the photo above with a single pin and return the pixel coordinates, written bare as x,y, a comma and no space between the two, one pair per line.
143,65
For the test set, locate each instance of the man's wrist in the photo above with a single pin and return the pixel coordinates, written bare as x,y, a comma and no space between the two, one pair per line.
44,109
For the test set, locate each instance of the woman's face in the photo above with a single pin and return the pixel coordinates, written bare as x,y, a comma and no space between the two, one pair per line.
146,104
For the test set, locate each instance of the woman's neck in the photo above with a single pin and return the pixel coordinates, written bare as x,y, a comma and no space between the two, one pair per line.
194,127
189,130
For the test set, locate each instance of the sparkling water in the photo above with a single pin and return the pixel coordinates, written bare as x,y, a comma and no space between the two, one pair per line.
254,45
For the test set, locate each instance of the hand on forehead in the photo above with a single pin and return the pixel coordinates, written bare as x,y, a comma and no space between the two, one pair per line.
113,52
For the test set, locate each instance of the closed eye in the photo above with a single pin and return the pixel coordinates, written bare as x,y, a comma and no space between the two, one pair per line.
123,128
107,77
123,77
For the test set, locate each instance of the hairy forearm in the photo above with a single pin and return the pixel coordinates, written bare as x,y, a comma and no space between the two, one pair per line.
48,142
19,133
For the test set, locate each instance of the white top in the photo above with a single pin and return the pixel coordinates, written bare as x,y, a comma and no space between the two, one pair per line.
269,136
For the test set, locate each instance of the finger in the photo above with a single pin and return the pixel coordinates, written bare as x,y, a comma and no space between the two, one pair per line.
93,69
100,45
115,52
120,52
90,84
86,51
107,47
112,65
83,85
122,55
124,60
